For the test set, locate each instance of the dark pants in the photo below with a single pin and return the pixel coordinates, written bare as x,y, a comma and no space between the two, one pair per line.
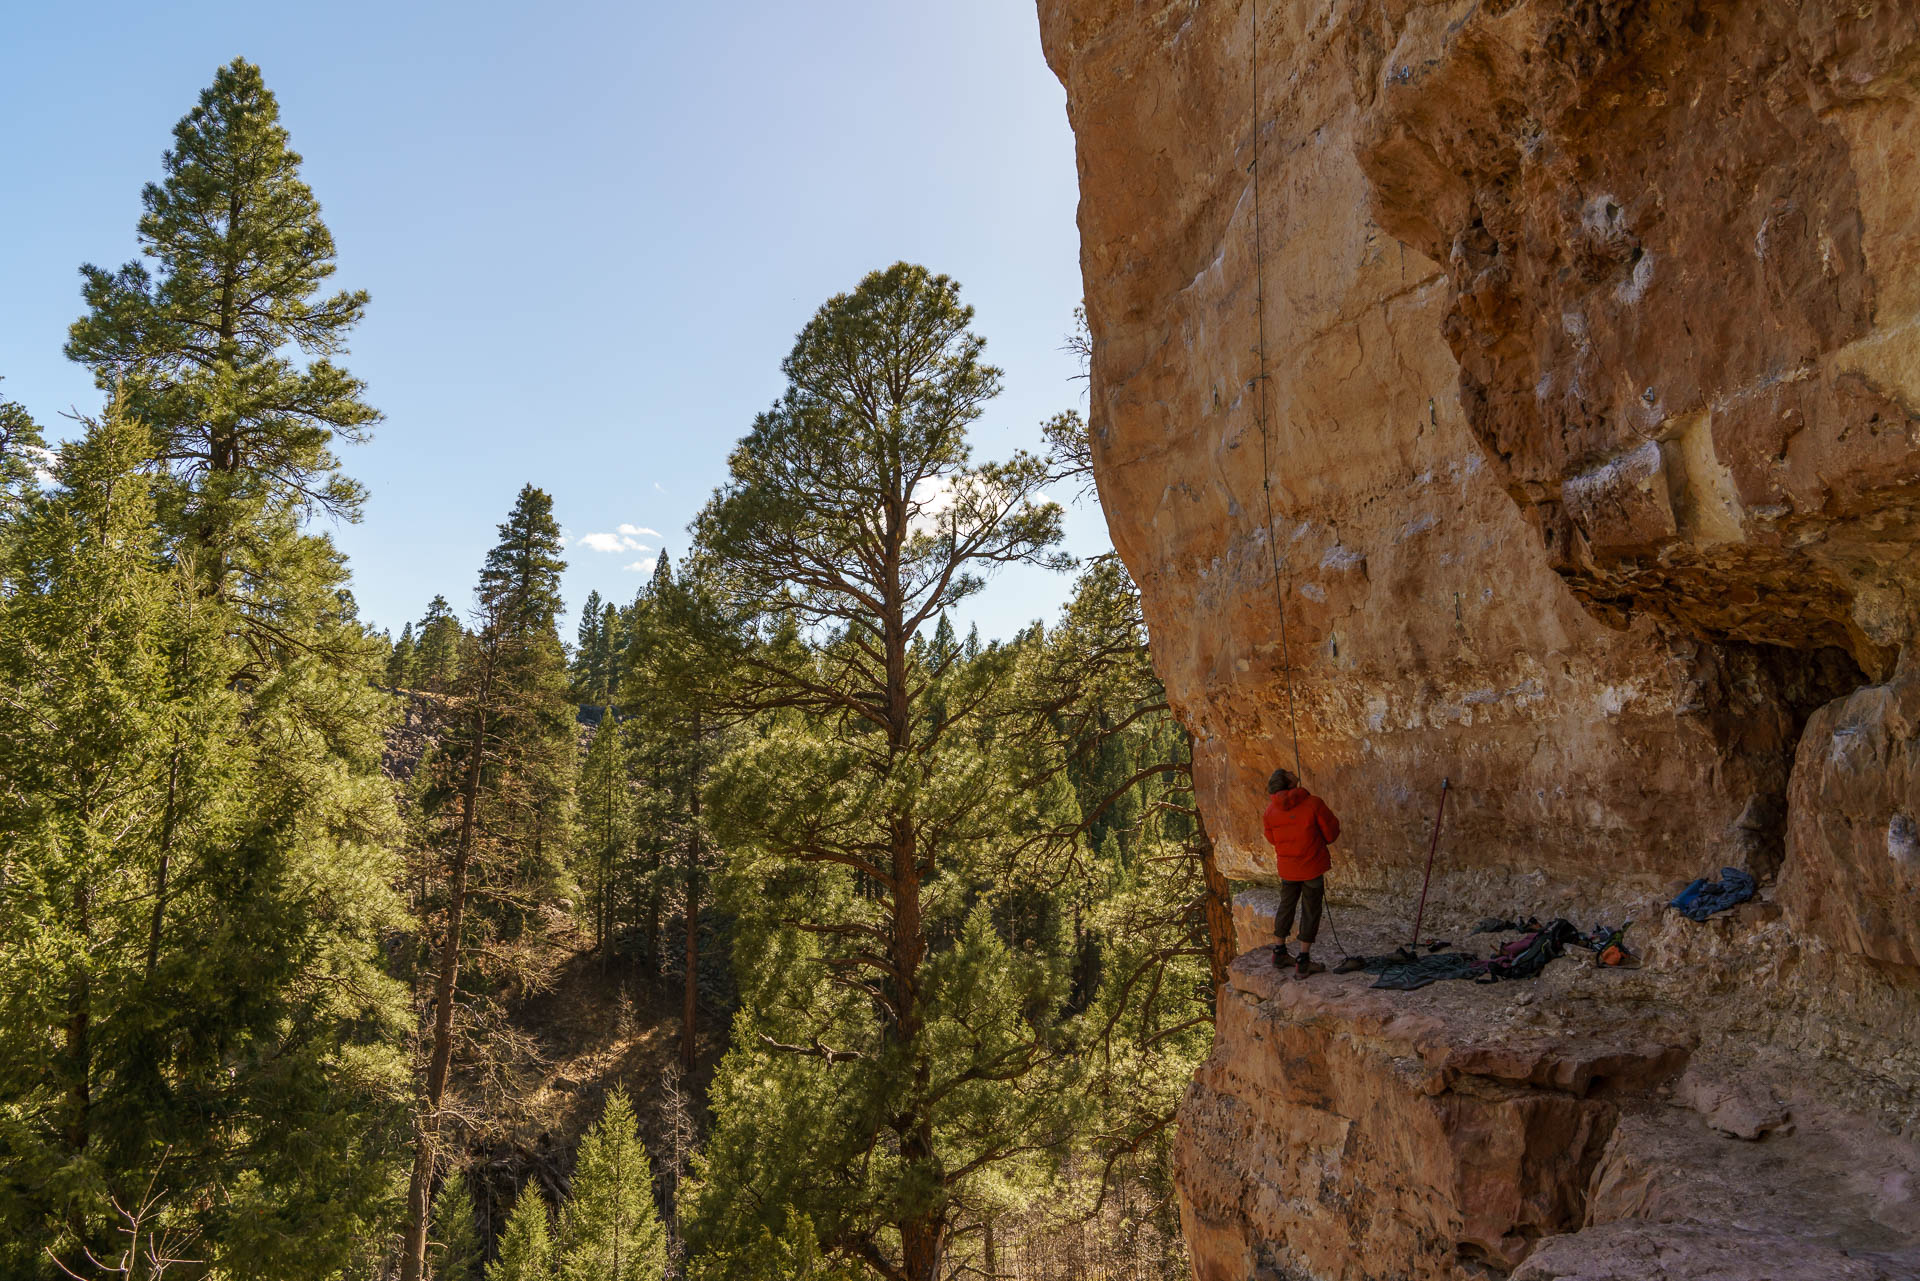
1309,895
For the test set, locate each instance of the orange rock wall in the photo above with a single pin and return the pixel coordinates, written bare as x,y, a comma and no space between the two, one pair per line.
1585,335
1589,343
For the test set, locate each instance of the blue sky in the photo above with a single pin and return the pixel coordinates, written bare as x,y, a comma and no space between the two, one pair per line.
590,229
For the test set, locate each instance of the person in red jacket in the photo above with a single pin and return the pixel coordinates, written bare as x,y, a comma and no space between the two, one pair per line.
1300,827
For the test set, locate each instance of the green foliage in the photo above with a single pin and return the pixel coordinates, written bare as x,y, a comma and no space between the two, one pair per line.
607,829
611,1231
900,1040
971,968
1104,777
792,1254
526,1248
972,964
22,454
198,835
533,721
522,572
596,657
400,660
491,816
510,676
202,349
436,661
455,1251
191,1009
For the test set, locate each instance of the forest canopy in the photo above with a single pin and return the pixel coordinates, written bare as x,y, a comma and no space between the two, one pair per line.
770,927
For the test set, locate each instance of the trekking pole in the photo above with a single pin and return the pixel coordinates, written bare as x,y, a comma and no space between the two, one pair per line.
1441,814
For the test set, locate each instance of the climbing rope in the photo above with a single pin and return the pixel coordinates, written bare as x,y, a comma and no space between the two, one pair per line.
1266,438
1266,444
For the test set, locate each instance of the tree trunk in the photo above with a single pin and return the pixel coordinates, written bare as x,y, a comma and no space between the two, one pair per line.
653,921
1221,945
923,1246
167,821
923,1236
691,994
79,1031
653,899
413,1255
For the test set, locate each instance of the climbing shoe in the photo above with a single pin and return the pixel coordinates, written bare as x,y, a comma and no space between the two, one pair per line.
1281,957
1307,967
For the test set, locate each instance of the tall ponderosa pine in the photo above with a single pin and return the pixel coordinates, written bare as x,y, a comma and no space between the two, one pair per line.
678,673
400,664
203,350
606,824
494,815
264,1011
436,654
596,675
893,1043
188,955
610,1230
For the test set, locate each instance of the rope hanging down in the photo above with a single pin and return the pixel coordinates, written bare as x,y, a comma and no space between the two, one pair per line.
1266,445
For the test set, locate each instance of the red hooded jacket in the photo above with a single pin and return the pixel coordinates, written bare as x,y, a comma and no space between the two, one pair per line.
1300,826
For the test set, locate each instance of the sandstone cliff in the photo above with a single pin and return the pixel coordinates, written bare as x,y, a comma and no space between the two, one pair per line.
1575,345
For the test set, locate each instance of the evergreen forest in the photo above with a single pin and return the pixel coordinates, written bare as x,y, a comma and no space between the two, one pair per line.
774,923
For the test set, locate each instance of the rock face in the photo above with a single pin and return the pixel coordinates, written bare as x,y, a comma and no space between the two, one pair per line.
1588,340
1713,1114
1356,1133
1521,392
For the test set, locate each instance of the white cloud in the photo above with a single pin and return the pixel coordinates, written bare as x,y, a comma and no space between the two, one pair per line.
658,486
644,566
932,499
937,496
635,531
624,541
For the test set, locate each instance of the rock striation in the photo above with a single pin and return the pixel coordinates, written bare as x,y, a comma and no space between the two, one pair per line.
1525,393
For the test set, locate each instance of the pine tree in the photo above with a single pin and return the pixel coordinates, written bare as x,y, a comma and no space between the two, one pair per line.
593,655
611,1230
22,455
202,349
456,1249
1104,773
523,569
188,955
521,585
271,886
82,645
678,666
437,650
607,671
606,822
893,1041
496,810
400,663
526,1249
